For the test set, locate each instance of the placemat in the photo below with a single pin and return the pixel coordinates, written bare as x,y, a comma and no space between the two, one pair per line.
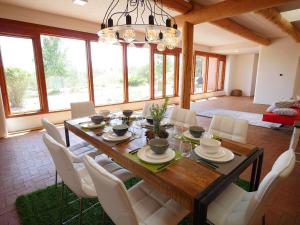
153,167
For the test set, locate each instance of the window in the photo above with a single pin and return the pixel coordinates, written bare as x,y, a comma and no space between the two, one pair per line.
65,67
158,75
209,72
212,74
199,73
107,63
20,74
138,73
170,75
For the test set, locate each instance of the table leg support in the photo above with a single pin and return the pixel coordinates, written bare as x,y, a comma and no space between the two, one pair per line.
67,135
199,213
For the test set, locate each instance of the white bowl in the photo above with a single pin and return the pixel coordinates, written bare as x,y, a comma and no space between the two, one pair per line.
104,113
210,145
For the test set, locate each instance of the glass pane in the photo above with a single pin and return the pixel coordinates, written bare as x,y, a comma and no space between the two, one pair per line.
65,70
199,73
170,74
158,75
180,75
138,73
220,81
212,71
20,74
107,63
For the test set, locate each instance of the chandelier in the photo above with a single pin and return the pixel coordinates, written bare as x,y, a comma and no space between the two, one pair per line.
126,23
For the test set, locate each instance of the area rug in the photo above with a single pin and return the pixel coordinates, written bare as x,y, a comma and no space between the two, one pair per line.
43,207
254,119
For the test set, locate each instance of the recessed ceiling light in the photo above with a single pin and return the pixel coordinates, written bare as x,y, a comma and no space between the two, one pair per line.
292,15
80,2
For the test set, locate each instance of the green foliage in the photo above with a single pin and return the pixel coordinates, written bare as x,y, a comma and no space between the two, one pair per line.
158,112
139,76
17,81
55,62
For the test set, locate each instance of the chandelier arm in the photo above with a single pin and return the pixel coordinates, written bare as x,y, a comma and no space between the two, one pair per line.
126,9
143,13
154,11
167,14
123,12
103,21
137,12
109,14
149,6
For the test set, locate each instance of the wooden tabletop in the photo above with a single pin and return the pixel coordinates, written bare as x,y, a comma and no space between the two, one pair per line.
183,180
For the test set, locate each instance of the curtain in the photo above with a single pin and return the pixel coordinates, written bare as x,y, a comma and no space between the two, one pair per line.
3,128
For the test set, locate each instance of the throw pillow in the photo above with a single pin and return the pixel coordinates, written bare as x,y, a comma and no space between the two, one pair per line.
285,111
271,108
285,104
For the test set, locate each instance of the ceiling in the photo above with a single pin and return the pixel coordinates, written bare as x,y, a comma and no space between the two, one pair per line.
205,34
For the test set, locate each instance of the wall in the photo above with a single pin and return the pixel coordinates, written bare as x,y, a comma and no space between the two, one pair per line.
281,57
241,73
297,81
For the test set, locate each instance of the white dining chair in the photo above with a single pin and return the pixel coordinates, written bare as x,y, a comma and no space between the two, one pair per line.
82,109
235,206
183,117
230,128
141,204
146,109
78,179
295,138
79,149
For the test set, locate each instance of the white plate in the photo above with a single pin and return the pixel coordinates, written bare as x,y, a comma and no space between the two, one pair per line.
188,135
90,125
111,136
144,152
221,152
228,156
153,155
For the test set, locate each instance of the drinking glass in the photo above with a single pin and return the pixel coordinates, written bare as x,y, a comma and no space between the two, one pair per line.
185,148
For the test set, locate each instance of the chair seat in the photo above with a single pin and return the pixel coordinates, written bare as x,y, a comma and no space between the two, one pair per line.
84,148
230,207
107,164
154,208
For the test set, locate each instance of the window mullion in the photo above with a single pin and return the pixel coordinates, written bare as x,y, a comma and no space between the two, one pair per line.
4,89
90,71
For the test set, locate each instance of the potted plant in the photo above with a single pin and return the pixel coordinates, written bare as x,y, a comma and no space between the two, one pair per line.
158,113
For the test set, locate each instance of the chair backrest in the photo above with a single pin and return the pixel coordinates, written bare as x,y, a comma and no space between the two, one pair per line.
183,117
228,127
53,131
281,169
146,109
112,194
295,137
62,159
82,109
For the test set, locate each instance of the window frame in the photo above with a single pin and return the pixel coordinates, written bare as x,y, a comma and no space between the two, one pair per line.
207,55
34,31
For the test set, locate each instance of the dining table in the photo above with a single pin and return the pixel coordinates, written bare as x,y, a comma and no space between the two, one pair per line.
193,183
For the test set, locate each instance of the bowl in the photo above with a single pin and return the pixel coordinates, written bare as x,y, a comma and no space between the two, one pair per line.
149,119
196,131
97,119
159,145
210,145
127,112
120,130
104,113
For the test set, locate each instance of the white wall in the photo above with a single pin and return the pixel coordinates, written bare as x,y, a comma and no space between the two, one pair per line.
281,57
241,73
297,81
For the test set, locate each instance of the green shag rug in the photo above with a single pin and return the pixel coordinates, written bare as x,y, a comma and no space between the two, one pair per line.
43,207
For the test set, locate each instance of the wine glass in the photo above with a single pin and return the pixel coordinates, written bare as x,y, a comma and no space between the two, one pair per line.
185,148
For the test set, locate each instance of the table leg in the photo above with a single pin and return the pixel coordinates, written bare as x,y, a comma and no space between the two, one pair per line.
67,136
253,175
258,171
199,213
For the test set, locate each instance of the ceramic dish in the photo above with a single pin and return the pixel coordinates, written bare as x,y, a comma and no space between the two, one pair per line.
111,136
222,158
90,125
147,155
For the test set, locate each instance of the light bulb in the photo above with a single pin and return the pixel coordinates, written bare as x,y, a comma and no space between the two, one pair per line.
172,43
151,34
110,37
129,35
146,45
131,45
161,47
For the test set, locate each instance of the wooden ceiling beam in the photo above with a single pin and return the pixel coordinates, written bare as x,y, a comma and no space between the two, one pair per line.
225,9
276,18
225,24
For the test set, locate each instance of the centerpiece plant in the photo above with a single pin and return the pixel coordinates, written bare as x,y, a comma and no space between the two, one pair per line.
158,113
